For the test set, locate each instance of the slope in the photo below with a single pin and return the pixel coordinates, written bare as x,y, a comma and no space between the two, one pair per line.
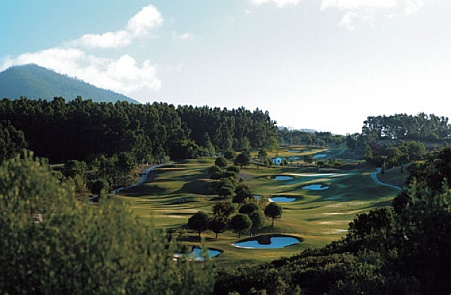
34,82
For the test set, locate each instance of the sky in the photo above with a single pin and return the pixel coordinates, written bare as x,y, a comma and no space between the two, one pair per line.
312,64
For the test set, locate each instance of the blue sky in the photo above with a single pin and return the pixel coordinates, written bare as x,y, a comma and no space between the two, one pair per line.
319,64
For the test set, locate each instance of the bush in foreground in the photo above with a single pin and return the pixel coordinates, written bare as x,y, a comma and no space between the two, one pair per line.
53,244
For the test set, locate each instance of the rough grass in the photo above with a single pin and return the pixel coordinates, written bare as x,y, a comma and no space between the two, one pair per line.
176,192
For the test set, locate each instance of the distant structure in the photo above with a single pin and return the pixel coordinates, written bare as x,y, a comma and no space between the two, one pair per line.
277,161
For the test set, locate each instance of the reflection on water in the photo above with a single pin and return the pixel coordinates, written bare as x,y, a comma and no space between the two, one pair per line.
198,254
283,177
276,243
282,199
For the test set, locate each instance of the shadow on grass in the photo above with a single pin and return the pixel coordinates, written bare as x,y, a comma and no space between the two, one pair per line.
143,190
197,186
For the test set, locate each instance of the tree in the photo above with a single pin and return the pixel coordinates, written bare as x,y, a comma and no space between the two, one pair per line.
233,169
229,154
308,158
273,211
208,146
223,209
249,208
242,193
258,220
74,167
225,191
72,248
243,159
240,223
221,162
218,225
198,222
100,187
215,172
12,141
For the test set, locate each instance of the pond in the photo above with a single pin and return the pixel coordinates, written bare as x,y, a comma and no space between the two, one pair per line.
281,199
278,199
316,187
319,156
282,177
272,243
197,254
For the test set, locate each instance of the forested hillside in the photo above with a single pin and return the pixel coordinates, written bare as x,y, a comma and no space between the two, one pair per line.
34,82
82,129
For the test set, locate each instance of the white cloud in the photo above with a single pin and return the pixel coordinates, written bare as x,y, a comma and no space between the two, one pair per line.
122,75
139,26
278,3
348,20
144,21
183,37
412,6
358,4
106,40
366,10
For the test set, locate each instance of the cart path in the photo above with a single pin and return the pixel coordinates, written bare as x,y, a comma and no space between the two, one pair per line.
376,180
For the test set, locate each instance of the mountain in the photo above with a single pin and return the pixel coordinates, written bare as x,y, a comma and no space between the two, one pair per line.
36,82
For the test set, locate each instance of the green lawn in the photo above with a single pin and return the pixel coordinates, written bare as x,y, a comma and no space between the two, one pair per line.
318,217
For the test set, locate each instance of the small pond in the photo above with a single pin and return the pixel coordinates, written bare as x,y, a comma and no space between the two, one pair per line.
316,187
271,243
197,254
319,156
278,199
294,158
281,199
282,177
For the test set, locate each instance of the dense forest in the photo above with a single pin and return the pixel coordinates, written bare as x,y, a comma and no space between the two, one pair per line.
81,129
407,127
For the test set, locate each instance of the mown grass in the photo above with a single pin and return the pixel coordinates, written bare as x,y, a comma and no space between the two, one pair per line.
175,192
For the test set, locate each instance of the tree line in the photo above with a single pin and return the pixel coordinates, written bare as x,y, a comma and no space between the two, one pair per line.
82,129
100,144
421,127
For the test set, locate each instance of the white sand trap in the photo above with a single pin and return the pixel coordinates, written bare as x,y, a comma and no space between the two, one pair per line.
335,231
174,216
334,222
